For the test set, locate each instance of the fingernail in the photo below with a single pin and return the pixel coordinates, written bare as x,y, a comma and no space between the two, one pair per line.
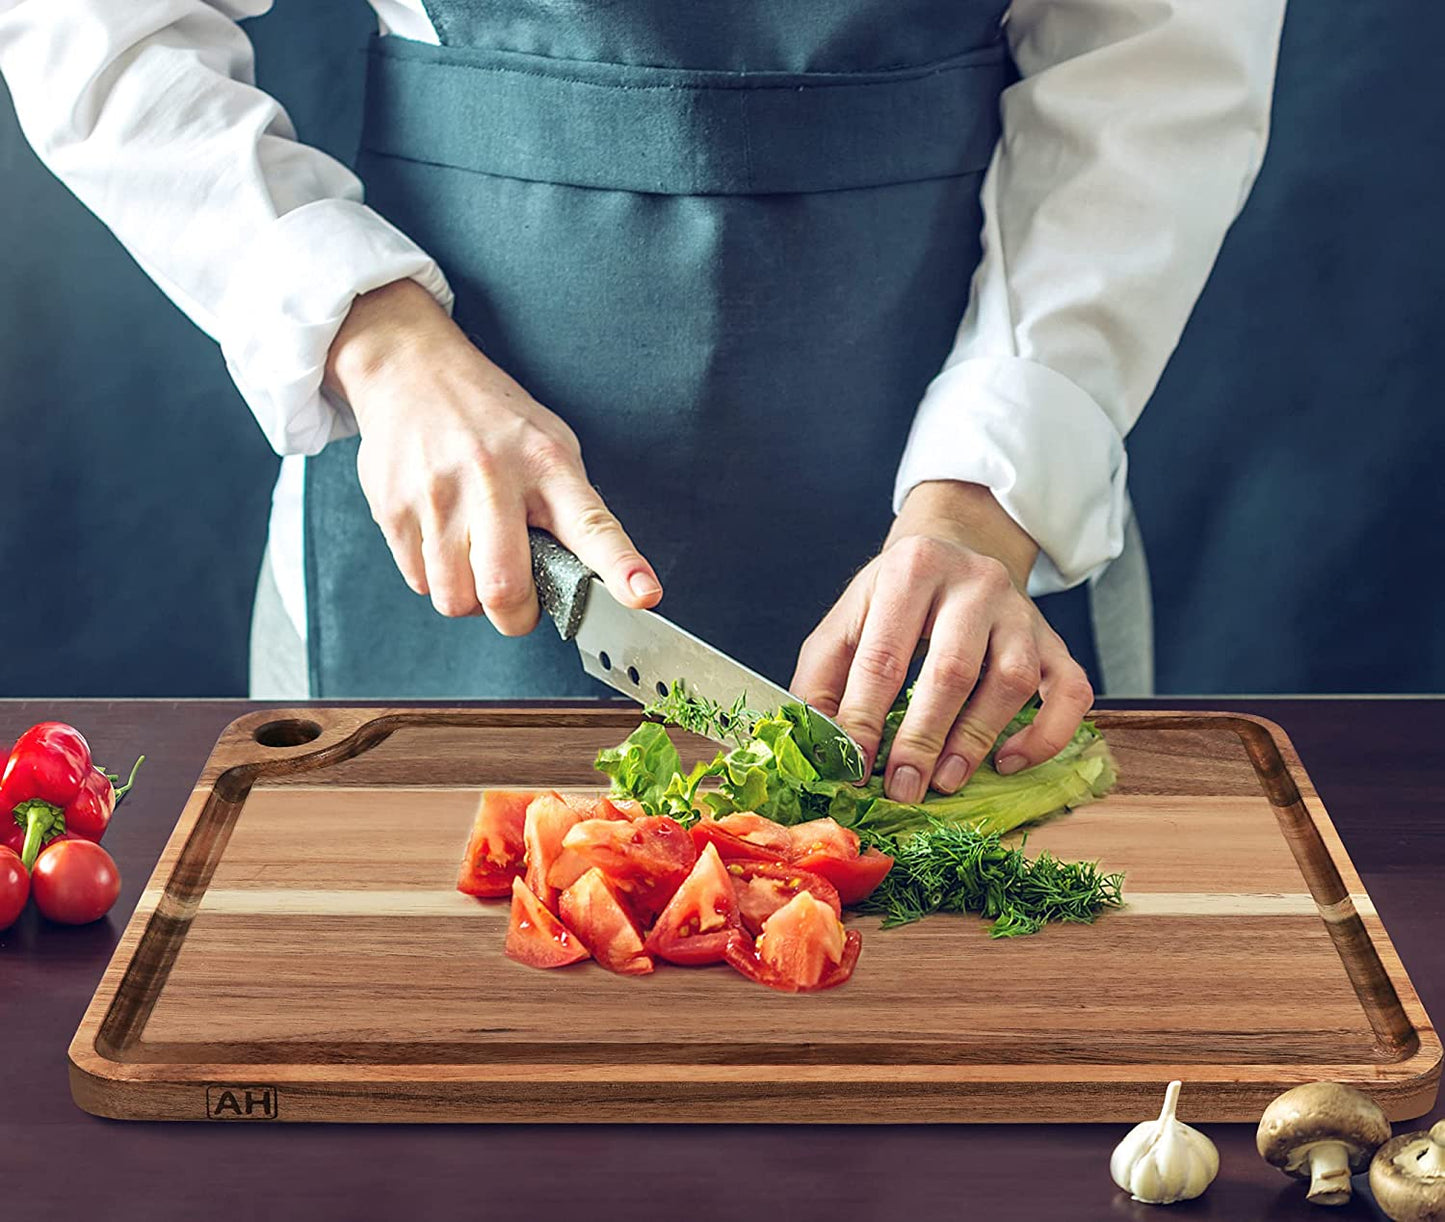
951,773
907,784
643,586
1007,765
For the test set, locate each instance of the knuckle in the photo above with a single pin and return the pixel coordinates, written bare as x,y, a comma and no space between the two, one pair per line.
547,455
991,574
503,591
1049,742
881,663
971,739
914,557
1076,689
1018,676
451,604
594,520
918,743
954,673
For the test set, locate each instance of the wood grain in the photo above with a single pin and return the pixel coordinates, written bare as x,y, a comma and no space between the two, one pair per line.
301,934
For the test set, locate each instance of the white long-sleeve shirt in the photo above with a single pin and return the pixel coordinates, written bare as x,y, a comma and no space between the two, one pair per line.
1128,147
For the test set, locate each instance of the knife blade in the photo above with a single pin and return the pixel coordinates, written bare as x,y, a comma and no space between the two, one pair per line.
641,654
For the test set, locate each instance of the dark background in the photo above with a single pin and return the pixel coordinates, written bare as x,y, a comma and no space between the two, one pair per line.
1287,473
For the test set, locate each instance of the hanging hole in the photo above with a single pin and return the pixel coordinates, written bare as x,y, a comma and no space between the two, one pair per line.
724,720
633,675
288,732
661,688
605,660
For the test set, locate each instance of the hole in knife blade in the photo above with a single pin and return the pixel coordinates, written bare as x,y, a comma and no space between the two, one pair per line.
661,688
605,660
633,675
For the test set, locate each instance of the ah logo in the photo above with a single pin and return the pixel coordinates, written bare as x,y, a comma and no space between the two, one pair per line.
240,1103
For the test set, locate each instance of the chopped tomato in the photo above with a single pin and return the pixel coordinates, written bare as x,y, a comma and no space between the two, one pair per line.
568,867
537,938
620,808
591,909
549,819
646,859
694,927
755,829
803,947
603,807
495,848
822,836
855,878
762,887
729,846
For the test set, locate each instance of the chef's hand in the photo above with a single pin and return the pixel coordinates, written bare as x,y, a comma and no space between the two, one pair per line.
953,572
456,461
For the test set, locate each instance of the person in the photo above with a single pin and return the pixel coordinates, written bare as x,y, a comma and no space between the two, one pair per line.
704,290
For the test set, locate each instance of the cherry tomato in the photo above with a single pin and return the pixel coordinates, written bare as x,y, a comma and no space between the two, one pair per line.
75,882
14,887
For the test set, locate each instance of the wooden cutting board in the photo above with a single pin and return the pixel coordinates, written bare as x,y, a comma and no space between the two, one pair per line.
300,954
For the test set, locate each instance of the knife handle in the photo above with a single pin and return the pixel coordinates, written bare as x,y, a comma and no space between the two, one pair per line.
561,580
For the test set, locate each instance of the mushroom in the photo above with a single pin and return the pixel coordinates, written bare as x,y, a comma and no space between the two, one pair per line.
1408,1176
1323,1132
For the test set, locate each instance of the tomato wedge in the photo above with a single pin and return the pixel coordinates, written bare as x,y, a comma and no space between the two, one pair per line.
495,848
646,859
803,947
730,848
759,831
855,878
762,887
818,836
548,820
694,927
603,807
535,937
591,909
620,808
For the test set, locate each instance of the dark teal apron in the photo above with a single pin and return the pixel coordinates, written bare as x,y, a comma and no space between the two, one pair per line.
730,243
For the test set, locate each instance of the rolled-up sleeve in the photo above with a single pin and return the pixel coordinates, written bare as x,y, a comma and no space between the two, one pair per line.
148,111
1129,145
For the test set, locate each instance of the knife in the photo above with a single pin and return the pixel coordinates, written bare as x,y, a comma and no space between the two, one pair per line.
641,654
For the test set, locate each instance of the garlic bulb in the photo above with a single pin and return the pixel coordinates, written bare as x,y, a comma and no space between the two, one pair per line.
1163,1161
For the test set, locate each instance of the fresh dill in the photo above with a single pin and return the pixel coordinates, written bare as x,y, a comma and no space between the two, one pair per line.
950,867
706,717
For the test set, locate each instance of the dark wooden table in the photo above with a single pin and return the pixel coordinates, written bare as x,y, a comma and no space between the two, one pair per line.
1379,766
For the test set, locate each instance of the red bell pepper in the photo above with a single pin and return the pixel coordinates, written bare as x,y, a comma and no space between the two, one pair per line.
52,787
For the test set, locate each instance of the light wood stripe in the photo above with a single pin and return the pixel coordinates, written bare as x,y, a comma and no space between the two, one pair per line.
432,903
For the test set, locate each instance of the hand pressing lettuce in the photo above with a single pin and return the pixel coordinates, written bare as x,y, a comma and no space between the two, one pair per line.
948,856
771,772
